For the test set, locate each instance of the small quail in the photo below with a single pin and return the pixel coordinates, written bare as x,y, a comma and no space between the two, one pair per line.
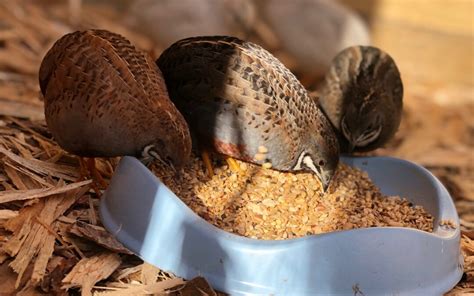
104,98
362,96
244,103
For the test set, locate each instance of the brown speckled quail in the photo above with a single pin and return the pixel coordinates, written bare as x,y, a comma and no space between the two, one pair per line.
362,95
104,98
242,101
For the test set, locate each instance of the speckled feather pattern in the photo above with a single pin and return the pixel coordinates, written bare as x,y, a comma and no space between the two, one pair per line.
238,96
365,78
103,97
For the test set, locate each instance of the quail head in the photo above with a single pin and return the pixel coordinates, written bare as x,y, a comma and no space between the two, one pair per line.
104,98
362,96
242,101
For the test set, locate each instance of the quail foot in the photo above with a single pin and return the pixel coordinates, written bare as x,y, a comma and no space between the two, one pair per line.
362,95
238,98
104,98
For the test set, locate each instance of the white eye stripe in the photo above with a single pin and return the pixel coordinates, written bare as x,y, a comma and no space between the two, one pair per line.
345,130
299,161
305,159
310,164
365,139
368,135
316,169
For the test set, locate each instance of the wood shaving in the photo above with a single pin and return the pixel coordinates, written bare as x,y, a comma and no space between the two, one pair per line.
7,214
98,235
89,271
197,286
154,288
12,195
33,241
43,167
149,274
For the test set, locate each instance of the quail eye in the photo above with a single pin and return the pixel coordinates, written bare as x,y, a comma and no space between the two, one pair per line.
321,162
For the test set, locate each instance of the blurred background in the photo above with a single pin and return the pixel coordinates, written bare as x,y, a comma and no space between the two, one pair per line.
432,43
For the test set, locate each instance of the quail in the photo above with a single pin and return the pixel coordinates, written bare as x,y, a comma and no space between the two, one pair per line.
104,98
362,95
244,103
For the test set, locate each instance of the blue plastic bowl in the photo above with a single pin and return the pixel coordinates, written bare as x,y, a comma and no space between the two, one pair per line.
156,225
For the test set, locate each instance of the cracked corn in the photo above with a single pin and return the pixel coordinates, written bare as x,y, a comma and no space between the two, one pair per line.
267,204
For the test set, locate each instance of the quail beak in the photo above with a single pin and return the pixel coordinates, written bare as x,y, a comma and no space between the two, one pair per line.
326,183
146,160
325,186
350,147
322,174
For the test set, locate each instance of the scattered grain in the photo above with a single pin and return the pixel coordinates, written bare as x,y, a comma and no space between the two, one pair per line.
450,224
269,204
262,149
